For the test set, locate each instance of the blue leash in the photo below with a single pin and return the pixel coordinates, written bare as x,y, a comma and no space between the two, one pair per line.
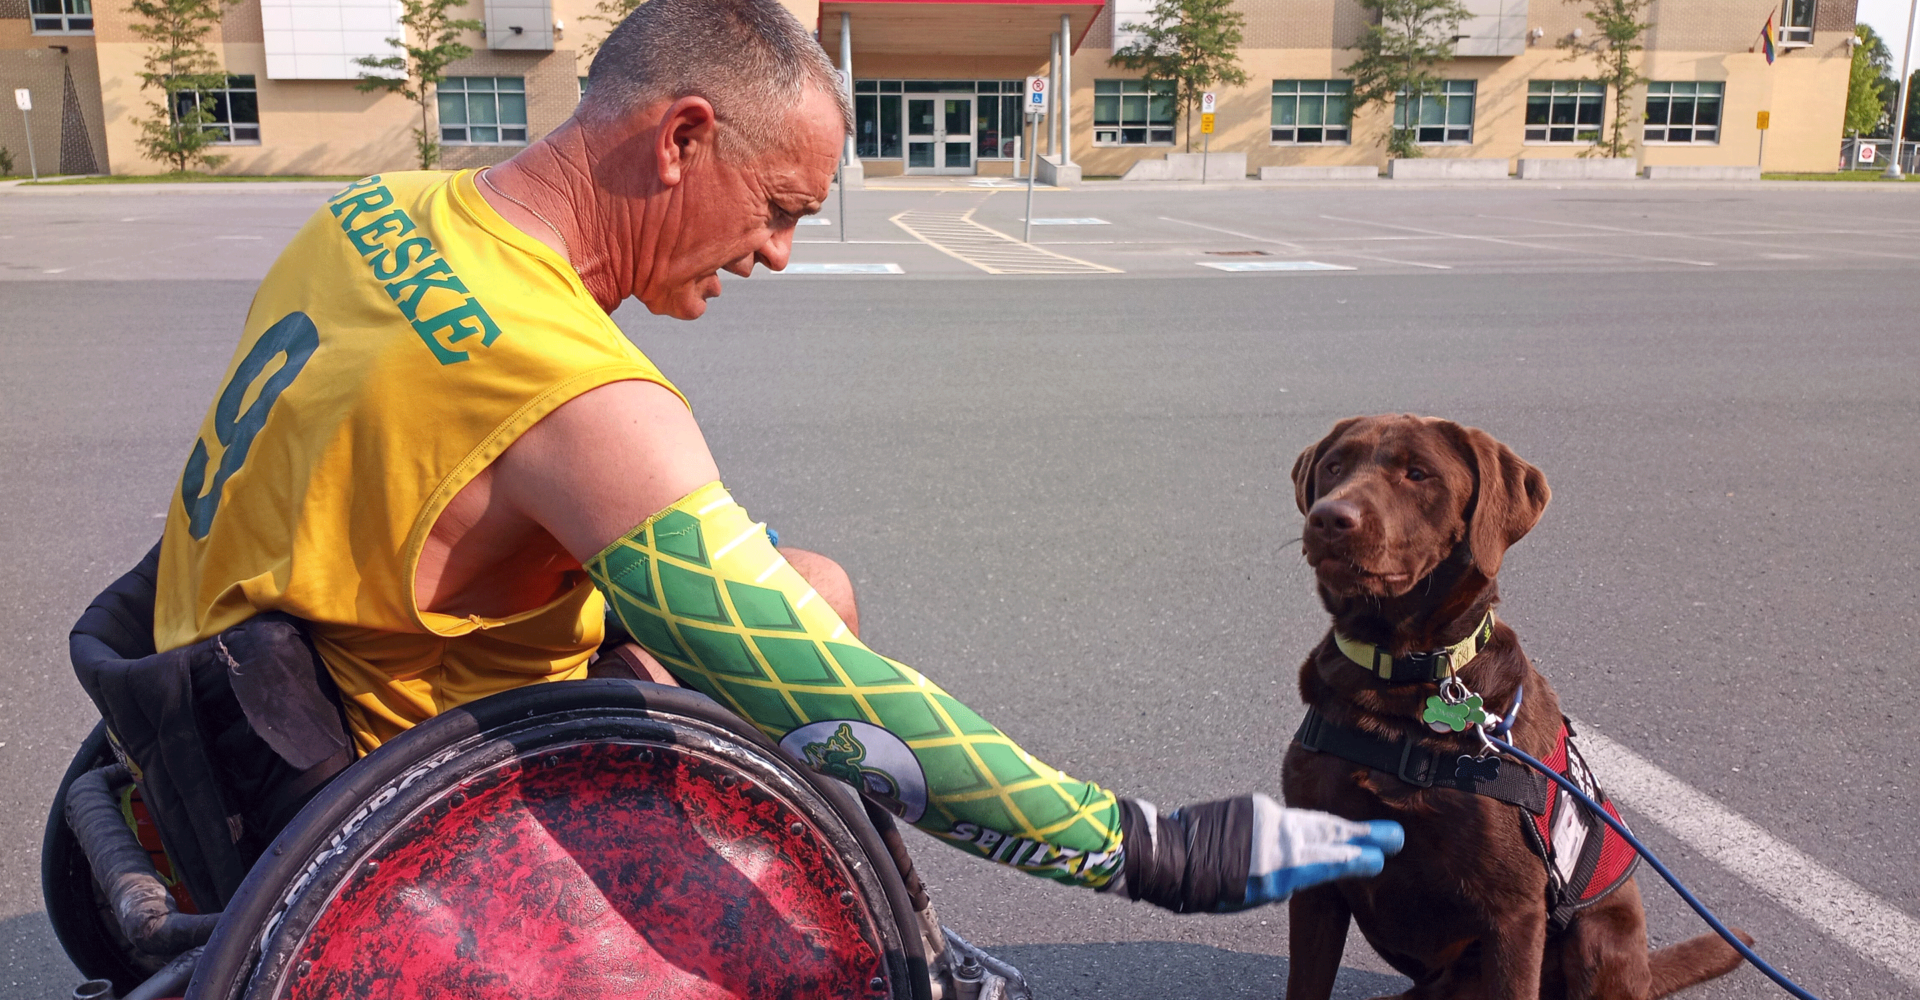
1620,828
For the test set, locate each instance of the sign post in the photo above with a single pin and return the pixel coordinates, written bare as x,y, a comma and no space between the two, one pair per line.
1206,132
1761,121
24,98
840,171
1036,105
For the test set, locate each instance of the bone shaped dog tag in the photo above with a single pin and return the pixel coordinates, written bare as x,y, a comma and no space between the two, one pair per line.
1469,769
1444,718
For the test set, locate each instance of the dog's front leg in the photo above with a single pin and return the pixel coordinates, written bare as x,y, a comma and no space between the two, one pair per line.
1317,921
1512,953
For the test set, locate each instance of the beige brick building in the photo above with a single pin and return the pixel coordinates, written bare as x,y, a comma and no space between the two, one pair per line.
938,84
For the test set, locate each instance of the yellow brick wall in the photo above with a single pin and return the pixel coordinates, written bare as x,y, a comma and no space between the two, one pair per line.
1805,89
25,61
326,126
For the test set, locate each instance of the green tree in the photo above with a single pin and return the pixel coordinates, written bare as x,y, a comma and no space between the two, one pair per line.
1398,54
609,13
1619,34
1870,84
421,65
179,65
1192,44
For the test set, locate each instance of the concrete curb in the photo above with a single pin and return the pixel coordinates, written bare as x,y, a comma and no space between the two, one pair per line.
24,189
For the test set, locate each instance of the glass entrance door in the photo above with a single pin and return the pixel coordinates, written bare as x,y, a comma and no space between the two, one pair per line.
940,135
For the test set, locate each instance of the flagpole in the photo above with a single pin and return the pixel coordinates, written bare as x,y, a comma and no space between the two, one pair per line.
1900,111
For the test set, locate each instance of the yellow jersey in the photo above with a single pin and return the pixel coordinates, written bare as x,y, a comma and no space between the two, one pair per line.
402,341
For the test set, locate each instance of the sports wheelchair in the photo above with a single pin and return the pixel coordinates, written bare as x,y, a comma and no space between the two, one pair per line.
598,838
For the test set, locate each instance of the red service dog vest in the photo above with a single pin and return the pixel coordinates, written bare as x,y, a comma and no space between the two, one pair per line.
1585,858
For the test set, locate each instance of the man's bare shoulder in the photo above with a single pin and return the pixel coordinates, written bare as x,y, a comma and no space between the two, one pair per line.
603,462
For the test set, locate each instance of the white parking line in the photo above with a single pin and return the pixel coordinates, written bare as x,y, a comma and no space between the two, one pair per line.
1272,265
1297,248
1704,237
1837,905
1517,243
841,269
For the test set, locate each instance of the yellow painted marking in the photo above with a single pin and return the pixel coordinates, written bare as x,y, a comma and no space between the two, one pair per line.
957,235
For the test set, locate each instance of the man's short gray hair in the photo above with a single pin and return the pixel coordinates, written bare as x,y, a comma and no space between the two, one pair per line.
751,59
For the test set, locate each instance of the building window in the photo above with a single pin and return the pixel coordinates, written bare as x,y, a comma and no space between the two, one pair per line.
234,110
483,110
998,109
1312,111
1132,113
1796,22
583,86
1564,110
878,117
66,17
1684,112
1445,115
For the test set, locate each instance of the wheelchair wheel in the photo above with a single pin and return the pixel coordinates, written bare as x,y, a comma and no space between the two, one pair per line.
81,921
585,839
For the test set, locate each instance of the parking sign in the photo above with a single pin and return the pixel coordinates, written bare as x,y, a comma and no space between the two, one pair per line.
1206,104
24,98
1036,94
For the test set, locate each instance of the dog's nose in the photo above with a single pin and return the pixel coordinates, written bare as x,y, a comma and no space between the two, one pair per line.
1333,518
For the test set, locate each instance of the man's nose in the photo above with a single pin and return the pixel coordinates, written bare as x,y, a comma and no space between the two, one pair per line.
1331,518
777,251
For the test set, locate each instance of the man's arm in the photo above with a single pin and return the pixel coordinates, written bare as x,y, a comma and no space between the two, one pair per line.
622,477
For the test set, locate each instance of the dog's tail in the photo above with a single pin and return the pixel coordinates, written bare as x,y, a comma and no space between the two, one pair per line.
1692,962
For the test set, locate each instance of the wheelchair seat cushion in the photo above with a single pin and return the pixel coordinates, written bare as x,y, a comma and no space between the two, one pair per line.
226,738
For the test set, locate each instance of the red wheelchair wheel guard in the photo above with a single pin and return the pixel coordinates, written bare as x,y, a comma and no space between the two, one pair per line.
567,845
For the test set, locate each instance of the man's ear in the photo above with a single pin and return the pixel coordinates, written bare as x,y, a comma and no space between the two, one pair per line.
1309,460
1509,494
688,129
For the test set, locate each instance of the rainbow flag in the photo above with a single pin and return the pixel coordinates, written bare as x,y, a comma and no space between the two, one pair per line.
1766,39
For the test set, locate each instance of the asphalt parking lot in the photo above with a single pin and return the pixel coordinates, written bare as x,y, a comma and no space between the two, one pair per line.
1062,492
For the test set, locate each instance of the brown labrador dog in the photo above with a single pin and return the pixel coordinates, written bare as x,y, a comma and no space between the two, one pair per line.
1407,520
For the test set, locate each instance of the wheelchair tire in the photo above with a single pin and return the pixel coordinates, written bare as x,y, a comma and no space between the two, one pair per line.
596,838
75,907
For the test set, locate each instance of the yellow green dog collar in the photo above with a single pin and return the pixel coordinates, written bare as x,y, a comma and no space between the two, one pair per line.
1417,668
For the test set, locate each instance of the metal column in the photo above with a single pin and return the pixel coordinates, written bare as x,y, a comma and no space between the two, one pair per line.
1900,110
849,152
1053,91
1066,90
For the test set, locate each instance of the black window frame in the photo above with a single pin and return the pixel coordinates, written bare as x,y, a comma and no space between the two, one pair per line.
235,109
506,133
1451,97
61,17
1326,133
1149,119
1564,112
1796,22
1666,97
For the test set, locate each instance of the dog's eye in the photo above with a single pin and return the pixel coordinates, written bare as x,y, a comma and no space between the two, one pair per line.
1416,473
1333,468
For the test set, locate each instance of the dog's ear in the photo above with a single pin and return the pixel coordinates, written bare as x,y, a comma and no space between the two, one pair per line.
1509,495
1303,486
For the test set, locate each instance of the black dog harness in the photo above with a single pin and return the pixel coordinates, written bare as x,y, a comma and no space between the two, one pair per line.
1585,859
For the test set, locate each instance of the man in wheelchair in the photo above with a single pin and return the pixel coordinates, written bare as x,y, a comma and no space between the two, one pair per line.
437,471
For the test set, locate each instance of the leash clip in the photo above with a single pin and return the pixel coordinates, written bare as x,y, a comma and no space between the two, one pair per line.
1487,749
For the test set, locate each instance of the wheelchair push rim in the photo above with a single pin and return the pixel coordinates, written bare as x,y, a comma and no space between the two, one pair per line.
598,838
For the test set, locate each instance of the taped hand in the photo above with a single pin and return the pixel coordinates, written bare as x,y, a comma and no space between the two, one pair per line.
1235,853
1294,849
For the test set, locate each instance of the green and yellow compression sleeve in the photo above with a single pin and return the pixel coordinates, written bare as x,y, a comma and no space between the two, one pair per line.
702,588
